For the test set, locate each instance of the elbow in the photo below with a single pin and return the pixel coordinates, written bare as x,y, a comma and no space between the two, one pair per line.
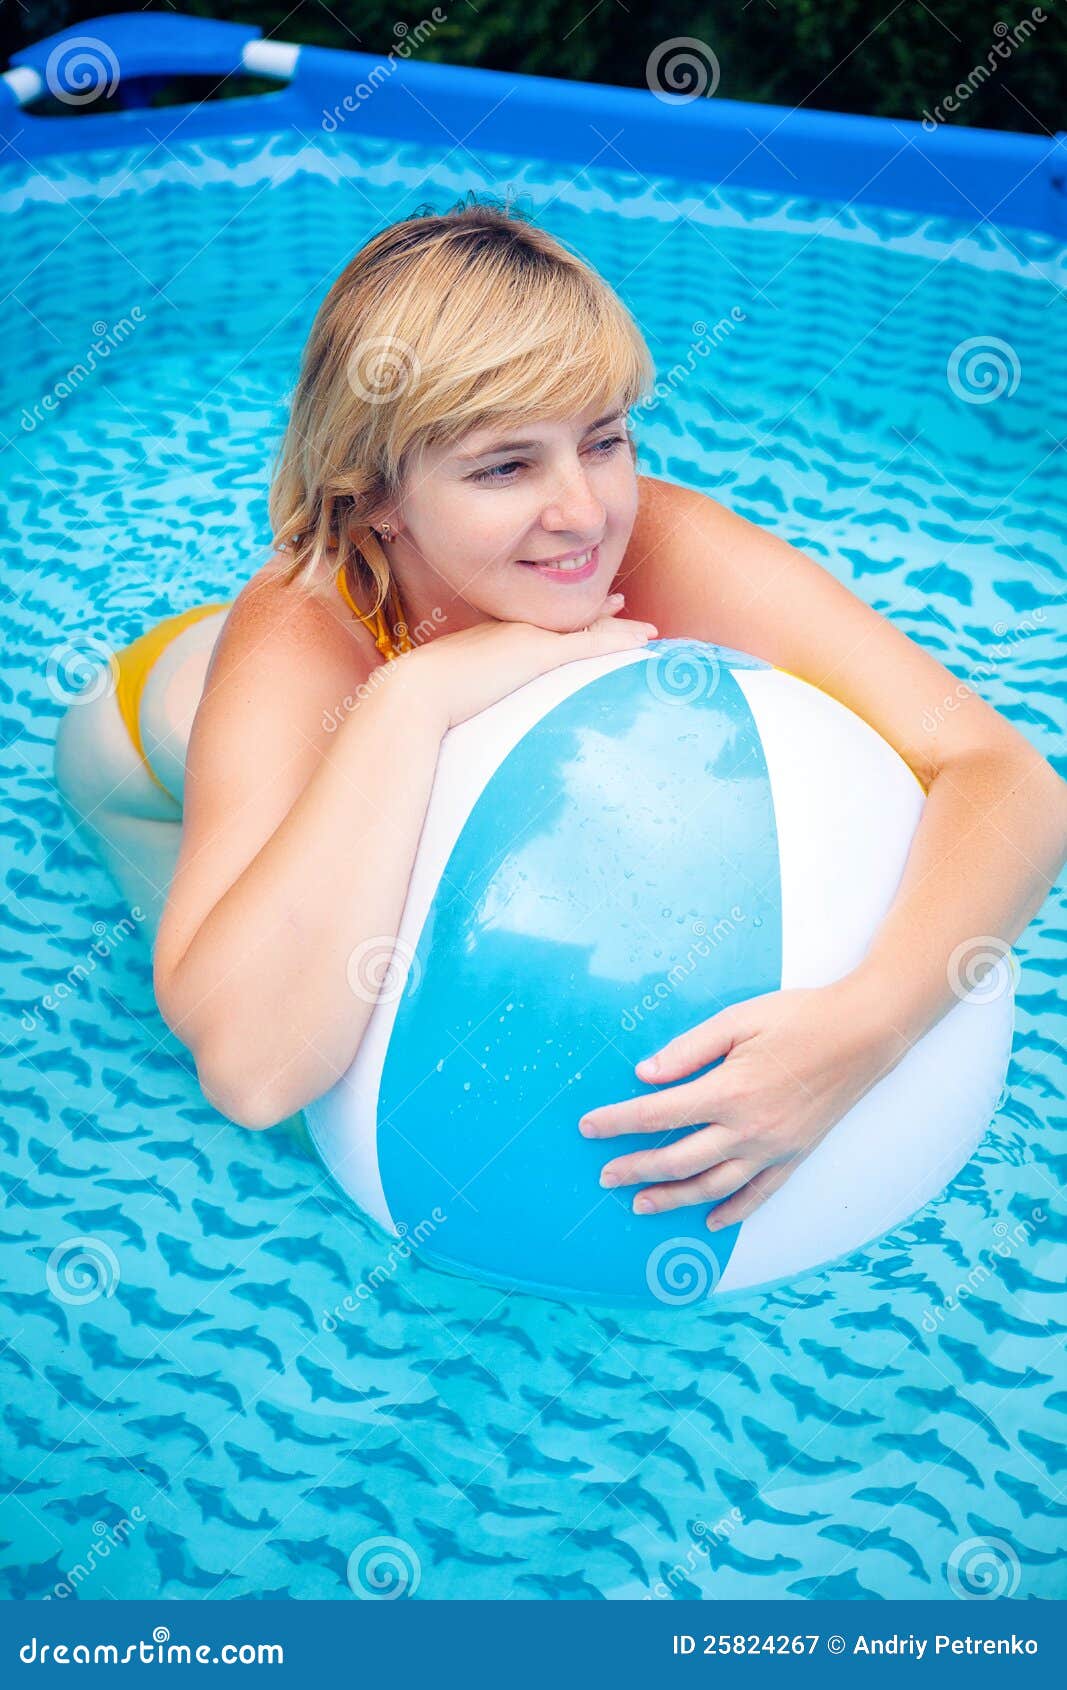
246,1115
248,1105
1012,771
162,989
1050,793
1044,791
1058,802
251,1107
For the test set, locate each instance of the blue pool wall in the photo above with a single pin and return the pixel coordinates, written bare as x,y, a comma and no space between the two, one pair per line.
970,174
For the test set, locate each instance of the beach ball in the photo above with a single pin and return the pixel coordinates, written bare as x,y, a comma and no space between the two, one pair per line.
611,854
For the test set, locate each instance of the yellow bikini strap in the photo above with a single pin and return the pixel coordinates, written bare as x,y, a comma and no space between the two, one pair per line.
377,624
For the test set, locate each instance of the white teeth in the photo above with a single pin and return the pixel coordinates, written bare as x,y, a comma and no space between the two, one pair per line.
569,563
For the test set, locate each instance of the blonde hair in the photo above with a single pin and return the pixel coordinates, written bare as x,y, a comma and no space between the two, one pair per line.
439,325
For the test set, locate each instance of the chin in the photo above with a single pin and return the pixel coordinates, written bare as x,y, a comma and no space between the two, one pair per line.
561,620
561,610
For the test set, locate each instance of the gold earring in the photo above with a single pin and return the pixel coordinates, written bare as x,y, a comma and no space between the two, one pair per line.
386,532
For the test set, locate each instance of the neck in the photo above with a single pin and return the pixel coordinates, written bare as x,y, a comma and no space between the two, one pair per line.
430,607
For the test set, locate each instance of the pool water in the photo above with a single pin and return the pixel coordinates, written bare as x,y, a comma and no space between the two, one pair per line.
190,1407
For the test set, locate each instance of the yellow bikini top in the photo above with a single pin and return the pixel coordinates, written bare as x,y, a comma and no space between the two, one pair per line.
377,623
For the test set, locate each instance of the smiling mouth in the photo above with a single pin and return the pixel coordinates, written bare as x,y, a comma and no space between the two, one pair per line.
565,565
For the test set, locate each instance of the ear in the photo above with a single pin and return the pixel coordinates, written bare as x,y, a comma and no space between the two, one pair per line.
386,523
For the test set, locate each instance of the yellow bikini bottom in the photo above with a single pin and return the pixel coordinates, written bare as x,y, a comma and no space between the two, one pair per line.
132,664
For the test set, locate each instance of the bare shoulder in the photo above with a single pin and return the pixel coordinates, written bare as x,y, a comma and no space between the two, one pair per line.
278,622
675,545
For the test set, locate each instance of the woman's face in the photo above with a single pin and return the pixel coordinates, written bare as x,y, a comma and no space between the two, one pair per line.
528,523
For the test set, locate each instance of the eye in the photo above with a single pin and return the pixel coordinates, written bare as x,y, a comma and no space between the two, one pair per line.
498,472
504,472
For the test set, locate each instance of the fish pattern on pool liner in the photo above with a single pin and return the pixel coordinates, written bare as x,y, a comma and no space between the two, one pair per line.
214,1422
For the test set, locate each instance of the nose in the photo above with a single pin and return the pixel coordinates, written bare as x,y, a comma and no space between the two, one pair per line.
573,507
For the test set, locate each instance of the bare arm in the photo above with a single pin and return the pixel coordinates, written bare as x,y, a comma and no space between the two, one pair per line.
298,843
299,835
993,834
991,840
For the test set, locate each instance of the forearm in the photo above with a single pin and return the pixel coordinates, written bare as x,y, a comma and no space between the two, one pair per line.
990,844
278,993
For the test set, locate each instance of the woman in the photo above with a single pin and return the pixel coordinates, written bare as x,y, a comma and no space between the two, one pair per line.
456,511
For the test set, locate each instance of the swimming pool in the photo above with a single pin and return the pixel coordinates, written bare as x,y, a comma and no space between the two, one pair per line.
205,1414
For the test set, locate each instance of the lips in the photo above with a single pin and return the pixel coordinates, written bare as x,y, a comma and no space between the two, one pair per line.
578,567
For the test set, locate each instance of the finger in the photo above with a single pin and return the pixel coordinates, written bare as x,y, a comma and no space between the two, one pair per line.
714,1183
706,1042
749,1198
687,1156
608,633
693,1105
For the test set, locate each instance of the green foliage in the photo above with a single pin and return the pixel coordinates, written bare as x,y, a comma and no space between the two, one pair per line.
840,55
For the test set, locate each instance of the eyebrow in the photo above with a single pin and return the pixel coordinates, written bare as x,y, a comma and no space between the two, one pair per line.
527,445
